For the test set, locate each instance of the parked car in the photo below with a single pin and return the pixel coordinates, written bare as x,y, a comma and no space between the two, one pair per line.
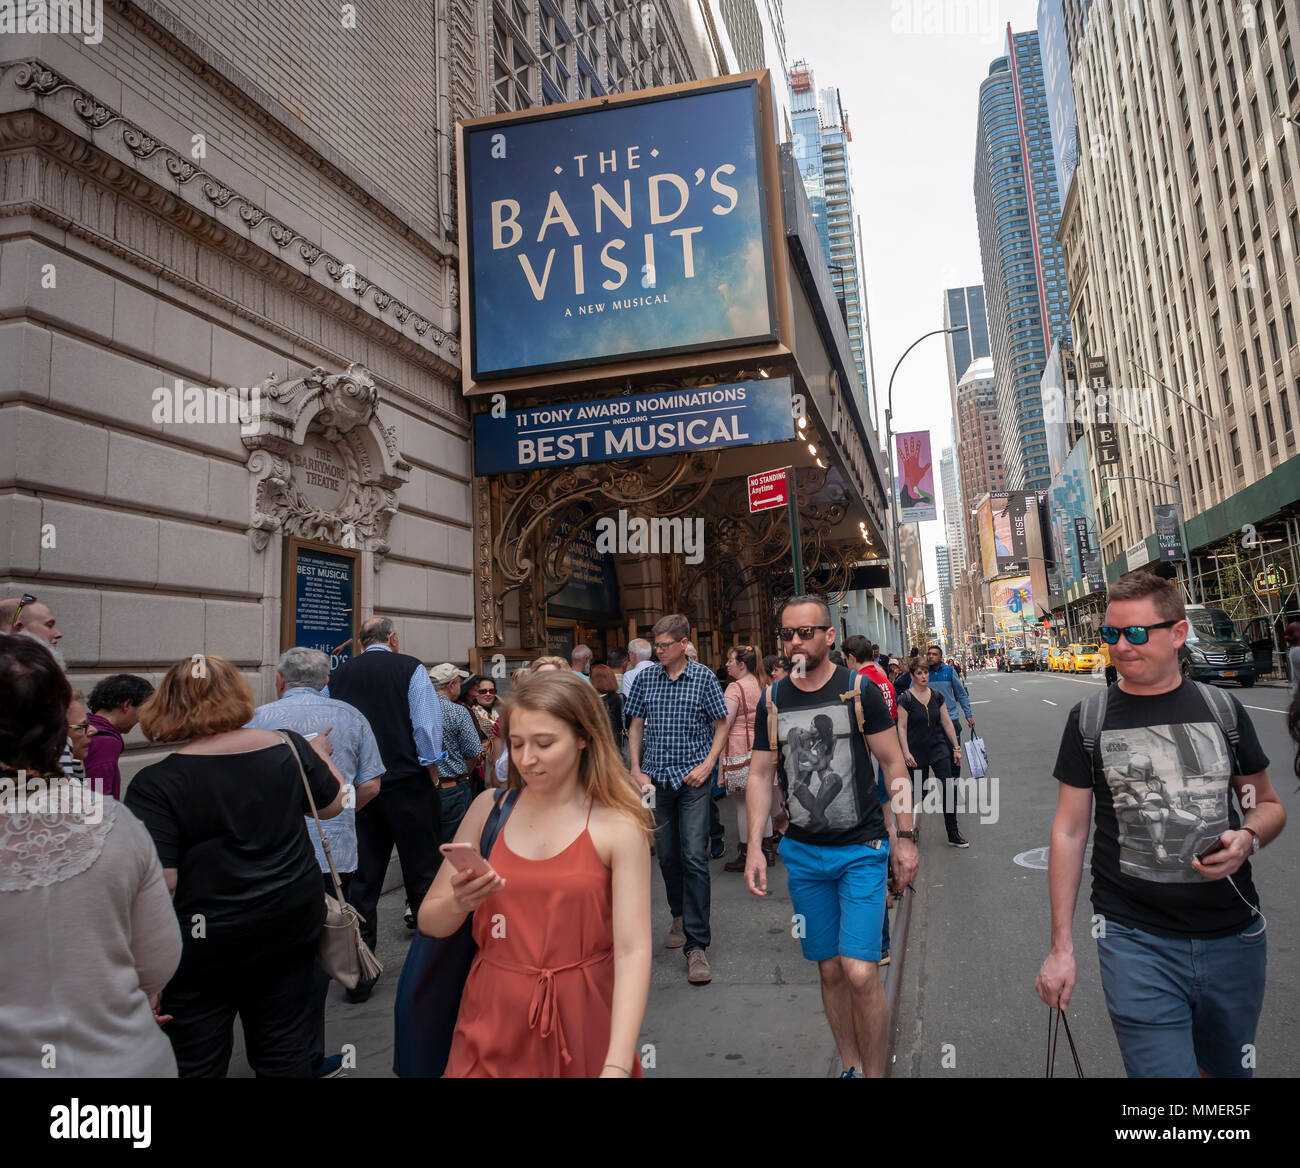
1021,660
1214,650
1084,658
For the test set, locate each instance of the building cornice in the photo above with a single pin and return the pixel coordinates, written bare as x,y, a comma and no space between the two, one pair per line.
225,222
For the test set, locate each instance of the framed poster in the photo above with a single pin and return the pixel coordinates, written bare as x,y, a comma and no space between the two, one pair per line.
321,598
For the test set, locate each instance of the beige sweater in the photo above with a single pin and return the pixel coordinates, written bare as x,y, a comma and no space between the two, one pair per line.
87,933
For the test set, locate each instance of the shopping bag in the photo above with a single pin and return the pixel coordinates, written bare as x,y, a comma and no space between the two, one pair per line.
977,759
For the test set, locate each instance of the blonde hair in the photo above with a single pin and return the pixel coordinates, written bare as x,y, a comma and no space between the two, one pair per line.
601,773
197,698
559,662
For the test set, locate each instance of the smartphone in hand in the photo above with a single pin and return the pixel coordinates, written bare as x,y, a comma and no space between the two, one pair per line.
1208,851
466,858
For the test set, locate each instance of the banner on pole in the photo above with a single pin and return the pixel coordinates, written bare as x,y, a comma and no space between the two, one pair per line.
1168,536
915,477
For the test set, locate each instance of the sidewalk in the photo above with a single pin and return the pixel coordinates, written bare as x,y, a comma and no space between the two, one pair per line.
761,1016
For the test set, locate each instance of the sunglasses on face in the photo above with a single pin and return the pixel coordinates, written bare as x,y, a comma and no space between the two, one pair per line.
1134,634
804,632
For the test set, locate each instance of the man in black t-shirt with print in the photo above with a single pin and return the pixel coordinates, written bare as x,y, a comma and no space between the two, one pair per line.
836,849
1180,938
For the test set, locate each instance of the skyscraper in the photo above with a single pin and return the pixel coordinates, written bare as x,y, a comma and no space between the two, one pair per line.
964,306
945,595
821,142
954,523
1017,204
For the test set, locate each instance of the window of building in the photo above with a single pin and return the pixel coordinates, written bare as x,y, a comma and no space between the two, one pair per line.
1235,446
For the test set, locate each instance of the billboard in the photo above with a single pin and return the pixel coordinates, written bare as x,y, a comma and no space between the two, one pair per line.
1012,602
1059,89
1011,520
909,544
600,232
648,425
988,554
915,477
1070,508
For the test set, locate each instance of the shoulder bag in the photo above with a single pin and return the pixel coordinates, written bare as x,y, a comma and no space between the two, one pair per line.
342,953
735,767
433,979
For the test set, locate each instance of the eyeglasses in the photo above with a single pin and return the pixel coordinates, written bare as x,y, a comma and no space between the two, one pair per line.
79,725
26,599
487,693
1135,634
661,645
804,632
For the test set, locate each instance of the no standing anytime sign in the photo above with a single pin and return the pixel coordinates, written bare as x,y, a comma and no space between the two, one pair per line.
768,489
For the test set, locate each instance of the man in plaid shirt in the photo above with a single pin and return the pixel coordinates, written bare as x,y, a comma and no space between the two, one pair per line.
677,726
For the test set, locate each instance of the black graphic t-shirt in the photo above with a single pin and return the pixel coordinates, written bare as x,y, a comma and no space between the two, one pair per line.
824,764
1163,785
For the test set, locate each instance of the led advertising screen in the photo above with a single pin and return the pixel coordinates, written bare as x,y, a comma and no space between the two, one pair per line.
625,229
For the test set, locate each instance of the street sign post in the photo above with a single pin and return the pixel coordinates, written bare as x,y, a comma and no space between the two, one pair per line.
777,488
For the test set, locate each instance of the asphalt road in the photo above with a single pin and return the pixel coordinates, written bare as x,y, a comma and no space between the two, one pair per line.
981,922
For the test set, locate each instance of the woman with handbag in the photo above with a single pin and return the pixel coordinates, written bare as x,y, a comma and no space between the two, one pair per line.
929,742
226,815
558,986
748,679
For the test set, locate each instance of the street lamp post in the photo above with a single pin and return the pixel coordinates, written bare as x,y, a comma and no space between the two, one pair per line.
893,486
1182,522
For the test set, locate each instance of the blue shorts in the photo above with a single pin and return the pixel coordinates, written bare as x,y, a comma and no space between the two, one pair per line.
839,894
1180,1004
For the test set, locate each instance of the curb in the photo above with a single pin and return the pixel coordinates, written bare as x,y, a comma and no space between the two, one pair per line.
894,978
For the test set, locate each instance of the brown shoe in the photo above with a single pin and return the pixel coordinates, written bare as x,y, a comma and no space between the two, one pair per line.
697,968
769,850
738,864
676,935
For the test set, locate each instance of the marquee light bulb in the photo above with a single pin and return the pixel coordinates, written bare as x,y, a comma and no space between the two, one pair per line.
812,449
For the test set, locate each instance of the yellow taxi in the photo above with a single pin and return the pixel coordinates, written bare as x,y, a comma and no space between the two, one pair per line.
1084,658
1056,660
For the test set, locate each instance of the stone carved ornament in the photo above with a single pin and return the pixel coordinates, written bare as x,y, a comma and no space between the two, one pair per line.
340,409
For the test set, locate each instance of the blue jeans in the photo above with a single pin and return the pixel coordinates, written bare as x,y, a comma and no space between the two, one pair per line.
1180,1004
682,847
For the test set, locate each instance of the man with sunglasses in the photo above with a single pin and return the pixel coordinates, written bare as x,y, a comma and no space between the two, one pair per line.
1180,936
837,848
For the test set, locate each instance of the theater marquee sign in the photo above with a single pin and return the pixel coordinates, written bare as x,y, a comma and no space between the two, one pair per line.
326,469
623,235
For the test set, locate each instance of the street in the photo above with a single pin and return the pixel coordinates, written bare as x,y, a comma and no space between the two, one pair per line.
979,932
981,922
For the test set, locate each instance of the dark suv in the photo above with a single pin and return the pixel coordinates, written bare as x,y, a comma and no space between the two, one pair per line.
1214,650
1020,659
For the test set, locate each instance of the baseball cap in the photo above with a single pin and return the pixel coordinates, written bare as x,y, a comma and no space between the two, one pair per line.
442,674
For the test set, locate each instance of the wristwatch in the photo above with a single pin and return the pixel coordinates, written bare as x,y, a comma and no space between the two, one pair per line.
915,834
1255,845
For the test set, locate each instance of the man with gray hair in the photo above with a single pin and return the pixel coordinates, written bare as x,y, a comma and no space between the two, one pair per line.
639,652
580,659
300,677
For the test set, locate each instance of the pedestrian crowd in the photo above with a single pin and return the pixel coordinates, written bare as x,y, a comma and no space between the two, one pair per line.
198,892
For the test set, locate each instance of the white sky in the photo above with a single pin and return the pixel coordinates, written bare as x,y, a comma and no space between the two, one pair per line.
911,99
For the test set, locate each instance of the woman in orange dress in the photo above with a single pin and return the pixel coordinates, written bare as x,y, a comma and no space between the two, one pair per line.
559,984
